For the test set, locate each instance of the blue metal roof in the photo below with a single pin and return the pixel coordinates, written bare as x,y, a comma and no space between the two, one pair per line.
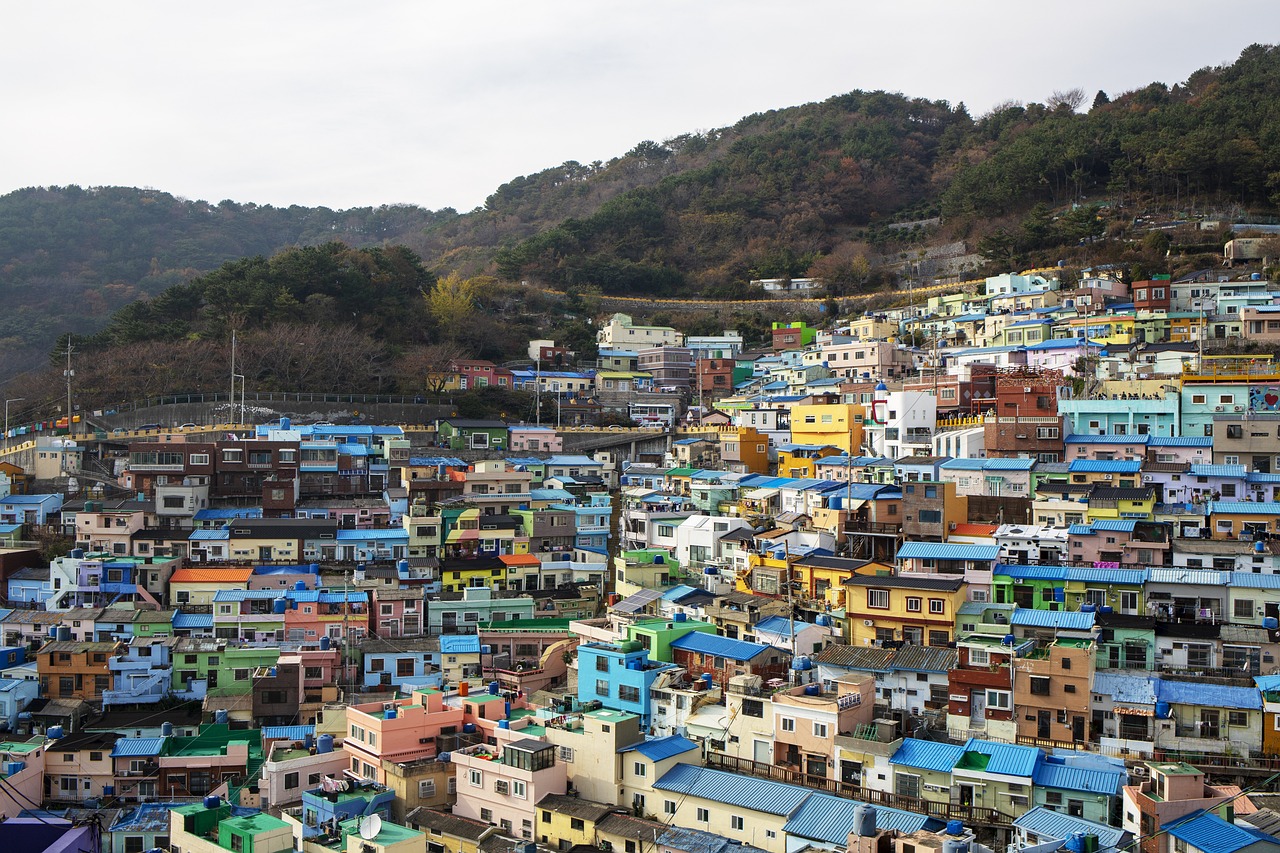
287,732
187,621
210,535
1232,471
1210,695
1125,688
963,464
733,789
1121,525
656,749
1089,780
137,747
384,534
1181,441
459,644
1032,573
780,625
827,818
1207,832
1104,466
1006,758
230,513
1131,440
1070,620
1048,824
722,647
946,551
1008,464
1244,508
928,755
1249,580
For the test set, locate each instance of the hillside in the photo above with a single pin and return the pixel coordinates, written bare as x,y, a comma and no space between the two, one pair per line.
827,189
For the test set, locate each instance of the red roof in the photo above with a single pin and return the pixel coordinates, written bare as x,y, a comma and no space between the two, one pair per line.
229,575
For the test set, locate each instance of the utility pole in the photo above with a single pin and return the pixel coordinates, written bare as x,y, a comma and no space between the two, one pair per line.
537,390
68,373
232,398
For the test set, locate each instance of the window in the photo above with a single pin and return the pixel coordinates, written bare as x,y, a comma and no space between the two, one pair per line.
979,657
1238,719
753,708
476,778
820,730
937,605
999,699
736,822
602,664
788,724
669,806
878,598
640,769
602,687
913,604
566,754
290,780
1243,608
1039,685
703,815
486,815
518,789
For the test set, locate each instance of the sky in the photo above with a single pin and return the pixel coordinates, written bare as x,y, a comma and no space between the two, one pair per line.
347,104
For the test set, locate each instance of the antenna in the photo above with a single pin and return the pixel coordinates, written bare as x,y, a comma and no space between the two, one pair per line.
370,826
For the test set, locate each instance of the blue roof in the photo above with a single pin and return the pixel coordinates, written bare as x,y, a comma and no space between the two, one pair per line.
382,534
656,749
137,746
1181,441
947,551
287,732
1244,508
733,789
1008,464
1233,471
219,514
1084,438
1063,343
1213,695
1006,758
437,461
459,644
209,535
1047,824
827,818
1104,466
1207,832
1070,620
187,621
779,625
723,647
928,755
1052,774
963,464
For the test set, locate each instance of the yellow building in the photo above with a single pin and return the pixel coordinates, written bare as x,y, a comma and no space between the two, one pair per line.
916,610
797,460
1231,519
565,821
838,425
1102,329
450,833
199,586
1130,504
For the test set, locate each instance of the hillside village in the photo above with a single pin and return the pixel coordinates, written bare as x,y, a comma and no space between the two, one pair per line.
999,567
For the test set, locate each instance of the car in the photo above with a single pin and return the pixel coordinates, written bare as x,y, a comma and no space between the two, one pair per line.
146,427
119,431
188,426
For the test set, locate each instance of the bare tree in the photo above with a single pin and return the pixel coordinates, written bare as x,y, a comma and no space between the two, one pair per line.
1070,100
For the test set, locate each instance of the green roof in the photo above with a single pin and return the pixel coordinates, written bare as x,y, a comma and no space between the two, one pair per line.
680,472
550,625
255,823
391,833
10,746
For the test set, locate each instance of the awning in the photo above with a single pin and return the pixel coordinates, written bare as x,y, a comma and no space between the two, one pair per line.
854,504
761,494
1134,712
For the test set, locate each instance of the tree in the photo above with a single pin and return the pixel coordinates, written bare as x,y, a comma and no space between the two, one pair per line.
428,368
1068,101
1100,99
452,301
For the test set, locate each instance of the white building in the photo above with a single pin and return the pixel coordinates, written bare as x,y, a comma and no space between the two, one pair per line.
902,425
621,333
698,539
969,443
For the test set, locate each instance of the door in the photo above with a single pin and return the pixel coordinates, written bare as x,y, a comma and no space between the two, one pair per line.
816,765
851,772
761,752
966,796
977,706
1043,718
1077,729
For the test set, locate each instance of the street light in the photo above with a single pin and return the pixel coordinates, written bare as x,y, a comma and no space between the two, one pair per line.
6,414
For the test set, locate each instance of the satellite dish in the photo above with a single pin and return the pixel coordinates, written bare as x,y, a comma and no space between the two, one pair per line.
370,827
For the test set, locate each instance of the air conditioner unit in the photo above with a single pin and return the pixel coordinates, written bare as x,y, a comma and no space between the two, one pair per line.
1218,408
1239,408
951,526
1026,389
869,623
500,786
1106,476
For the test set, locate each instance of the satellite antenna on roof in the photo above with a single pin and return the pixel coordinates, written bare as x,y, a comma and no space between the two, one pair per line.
370,826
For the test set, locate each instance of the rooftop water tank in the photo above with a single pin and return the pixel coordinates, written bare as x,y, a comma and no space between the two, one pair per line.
390,714
1106,609
679,617
1008,640
658,559
54,732
324,643
1075,842
78,553
64,633
324,744
504,724
468,728
166,729
955,827
300,586
864,820
221,717
1088,608
402,566
802,663
212,801
314,568
280,605
1271,623
494,688
813,690
309,740
445,757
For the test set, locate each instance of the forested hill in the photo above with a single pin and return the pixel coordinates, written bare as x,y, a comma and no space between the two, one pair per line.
70,257
819,189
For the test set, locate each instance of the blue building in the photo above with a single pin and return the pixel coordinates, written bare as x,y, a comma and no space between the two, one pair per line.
321,815
31,584
15,695
619,676
390,543
30,509
403,663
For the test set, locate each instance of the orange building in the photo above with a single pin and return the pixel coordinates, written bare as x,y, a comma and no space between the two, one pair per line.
74,670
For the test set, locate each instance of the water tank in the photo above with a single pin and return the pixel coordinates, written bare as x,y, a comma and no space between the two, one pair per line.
308,740
780,554
108,790
1075,842
1163,710
166,729
300,586
212,801
527,847
658,559
1271,623
635,664
78,553
823,620
711,570
1088,608
864,820
1106,609
221,717
468,728
955,827
486,650
504,724
314,568
280,605
324,643
464,688
955,845
1008,640
55,732
64,633
285,423
1255,276
12,768
707,680
390,714
324,744
813,690
802,663
506,708
494,688
679,617
444,757
402,566
1059,594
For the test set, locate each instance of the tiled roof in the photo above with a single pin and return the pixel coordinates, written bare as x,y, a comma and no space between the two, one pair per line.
228,575
866,659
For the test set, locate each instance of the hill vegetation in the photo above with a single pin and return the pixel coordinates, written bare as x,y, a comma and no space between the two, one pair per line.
854,189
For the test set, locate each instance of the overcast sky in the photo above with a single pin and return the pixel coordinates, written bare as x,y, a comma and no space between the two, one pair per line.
346,104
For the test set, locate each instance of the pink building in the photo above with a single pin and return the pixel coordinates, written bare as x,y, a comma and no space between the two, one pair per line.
1061,354
807,719
396,612
536,439
502,785
326,613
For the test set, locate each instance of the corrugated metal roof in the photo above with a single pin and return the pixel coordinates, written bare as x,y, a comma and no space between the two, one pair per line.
459,644
913,658
287,732
1070,620
1181,441
656,749
861,658
963,464
1131,440
1200,577
946,551
1048,824
1114,524
209,535
1249,580
1008,464
1203,470
723,647
1243,508
137,747
1104,466
1032,573
827,818
1210,695
187,621
732,789
1209,833
228,575
1089,780
928,755
1006,758
1124,688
